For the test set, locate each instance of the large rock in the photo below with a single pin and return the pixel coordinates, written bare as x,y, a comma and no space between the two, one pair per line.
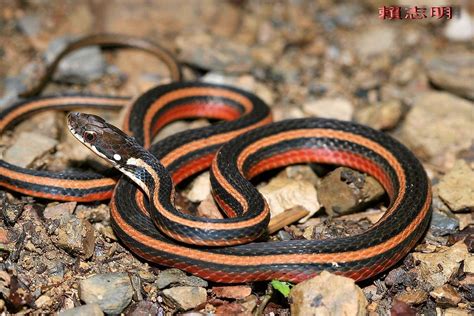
439,123
327,294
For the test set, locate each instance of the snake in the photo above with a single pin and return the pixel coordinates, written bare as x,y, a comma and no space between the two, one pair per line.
244,145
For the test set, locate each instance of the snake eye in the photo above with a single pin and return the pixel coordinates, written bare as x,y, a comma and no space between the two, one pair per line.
90,136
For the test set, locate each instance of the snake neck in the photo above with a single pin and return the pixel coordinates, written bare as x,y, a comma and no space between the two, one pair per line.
150,175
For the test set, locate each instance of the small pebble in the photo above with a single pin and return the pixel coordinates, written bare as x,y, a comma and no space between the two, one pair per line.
437,268
236,292
335,108
327,294
456,312
469,264
442,224
413,297
284,193
300,172
345,190
399,276
93,214
380,116
456,187
144,308
55,210
12,87
76,236
400,308
48,124
176,276
112,291
43,301
186,297
84,310
200,188
375,40
446,295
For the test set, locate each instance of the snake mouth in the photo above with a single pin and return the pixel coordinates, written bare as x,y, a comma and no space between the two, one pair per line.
72,120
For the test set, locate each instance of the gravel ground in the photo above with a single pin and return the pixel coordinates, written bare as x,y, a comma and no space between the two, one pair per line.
412,78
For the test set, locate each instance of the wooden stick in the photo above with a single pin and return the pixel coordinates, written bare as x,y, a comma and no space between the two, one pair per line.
286,218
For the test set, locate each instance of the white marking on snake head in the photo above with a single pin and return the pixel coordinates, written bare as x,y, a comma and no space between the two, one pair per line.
97,151
117,157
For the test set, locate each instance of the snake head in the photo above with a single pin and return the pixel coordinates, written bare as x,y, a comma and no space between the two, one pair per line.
104,139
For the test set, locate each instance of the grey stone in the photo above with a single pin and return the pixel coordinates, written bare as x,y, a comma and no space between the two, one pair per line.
30,24
442,224
79,67
112,291
84,310
453,72
12,87
176,276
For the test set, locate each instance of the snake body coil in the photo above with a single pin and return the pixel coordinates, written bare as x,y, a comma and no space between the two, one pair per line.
243,157
225,250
